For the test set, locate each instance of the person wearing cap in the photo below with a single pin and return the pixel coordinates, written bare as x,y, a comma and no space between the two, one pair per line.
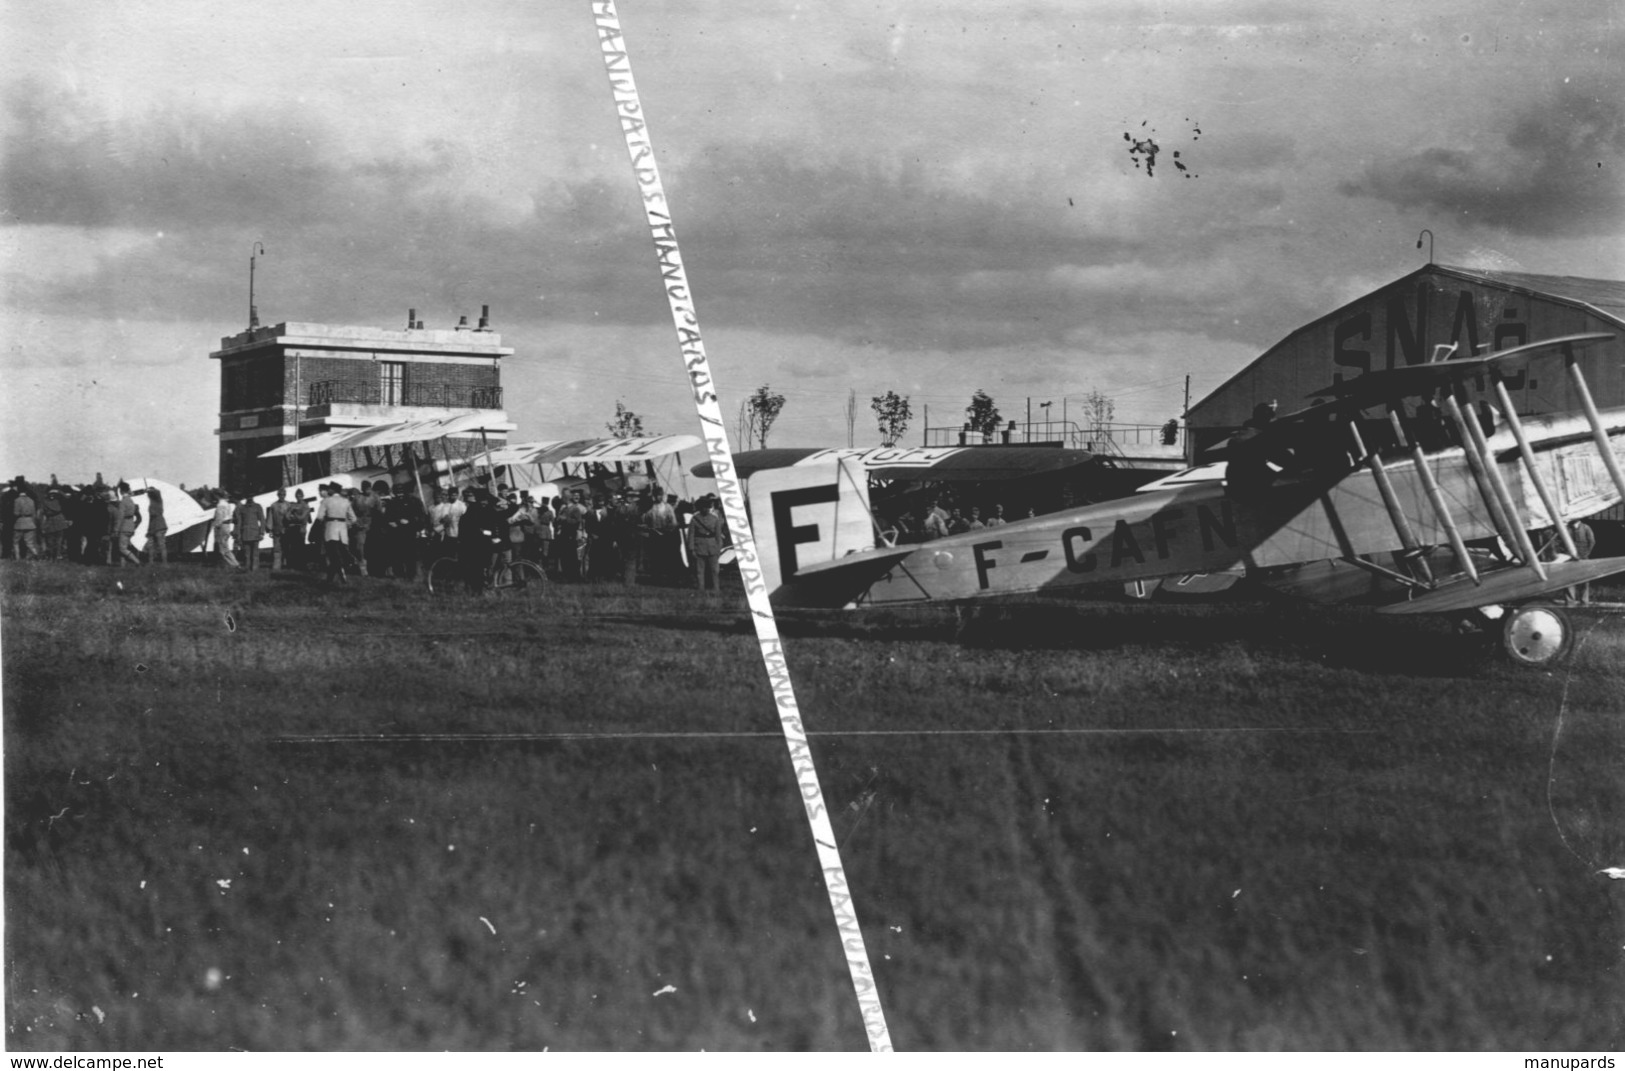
250,521
53,524
409,523
707,534
479,541
157,528
380,535
335,518
660,521
571,537
129,519
276,520
628,528
597,557
315,545
363,505
544,515
24,522
224,521
505,505
522,530
295,524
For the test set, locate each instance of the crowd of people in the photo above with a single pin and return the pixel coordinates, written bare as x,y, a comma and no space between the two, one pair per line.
372,531
94,523
376,530
943,514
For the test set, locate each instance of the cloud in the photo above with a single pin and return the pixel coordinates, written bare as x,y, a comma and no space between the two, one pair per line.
1559,170
65,165
836,246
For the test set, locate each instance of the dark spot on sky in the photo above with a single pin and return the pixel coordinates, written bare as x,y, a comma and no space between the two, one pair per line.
1144,151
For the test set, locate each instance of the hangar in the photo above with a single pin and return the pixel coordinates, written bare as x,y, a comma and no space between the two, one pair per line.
1401,323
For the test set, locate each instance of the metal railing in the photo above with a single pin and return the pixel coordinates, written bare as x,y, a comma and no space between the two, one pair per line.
331,391
1100,438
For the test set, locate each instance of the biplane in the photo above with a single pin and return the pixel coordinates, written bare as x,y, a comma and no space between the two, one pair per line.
604,463
598,464
1416,512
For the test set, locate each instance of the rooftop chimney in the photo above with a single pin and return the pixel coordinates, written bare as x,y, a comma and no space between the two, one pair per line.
411,318
485,318
462,323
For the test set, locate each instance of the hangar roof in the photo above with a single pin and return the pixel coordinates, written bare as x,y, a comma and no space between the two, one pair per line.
1606,295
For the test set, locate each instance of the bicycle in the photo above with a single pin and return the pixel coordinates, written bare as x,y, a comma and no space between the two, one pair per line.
520,579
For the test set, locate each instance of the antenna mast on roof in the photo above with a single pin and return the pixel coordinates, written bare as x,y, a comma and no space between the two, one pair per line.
257,249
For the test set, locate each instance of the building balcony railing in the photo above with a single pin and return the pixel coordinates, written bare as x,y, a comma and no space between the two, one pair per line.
333,391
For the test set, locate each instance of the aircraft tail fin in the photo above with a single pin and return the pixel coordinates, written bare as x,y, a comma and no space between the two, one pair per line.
808,514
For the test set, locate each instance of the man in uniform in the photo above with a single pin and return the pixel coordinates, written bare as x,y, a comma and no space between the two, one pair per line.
276,520
707,534
129,519
250,521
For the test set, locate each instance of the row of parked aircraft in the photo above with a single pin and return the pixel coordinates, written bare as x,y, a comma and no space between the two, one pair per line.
1324,503
543,468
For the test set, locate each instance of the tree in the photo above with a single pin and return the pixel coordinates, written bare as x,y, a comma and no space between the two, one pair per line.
761,410
981,414
627,424
892,413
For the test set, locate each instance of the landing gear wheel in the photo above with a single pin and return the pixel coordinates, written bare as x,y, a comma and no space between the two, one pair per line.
1537,636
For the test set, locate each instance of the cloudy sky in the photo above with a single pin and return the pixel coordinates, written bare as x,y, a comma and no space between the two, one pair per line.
921,197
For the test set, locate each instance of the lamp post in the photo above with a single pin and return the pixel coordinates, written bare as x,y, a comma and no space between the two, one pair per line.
1430,243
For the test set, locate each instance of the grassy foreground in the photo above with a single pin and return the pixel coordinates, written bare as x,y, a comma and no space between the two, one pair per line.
1195,827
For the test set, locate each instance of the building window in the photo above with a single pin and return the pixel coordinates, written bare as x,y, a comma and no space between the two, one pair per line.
392,382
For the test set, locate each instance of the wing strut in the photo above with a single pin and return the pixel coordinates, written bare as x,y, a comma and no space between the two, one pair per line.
1475,464
1390,501
1474,442
1546,498
1597,431
1464,561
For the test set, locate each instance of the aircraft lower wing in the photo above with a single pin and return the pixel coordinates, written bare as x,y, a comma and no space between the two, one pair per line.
1507,586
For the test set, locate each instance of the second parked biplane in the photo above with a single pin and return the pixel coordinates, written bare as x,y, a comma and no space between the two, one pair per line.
1325,503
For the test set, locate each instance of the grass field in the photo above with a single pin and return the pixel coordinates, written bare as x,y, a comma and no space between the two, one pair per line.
244,812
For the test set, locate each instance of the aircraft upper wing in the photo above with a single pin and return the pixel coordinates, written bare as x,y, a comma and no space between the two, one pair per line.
938,463
397,431
322,440
1410,381
582,451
